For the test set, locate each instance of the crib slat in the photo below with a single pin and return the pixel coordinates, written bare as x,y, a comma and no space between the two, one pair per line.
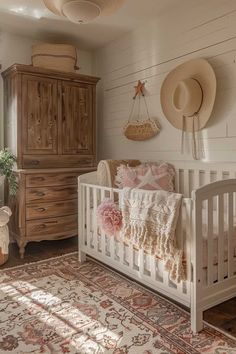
126,253
179,229
186,183
210,250
165,277
95,226
102,194
230,234
141,261
207,177
117,246
182,234
89,240
103,236
131,256
187,244
177,172
219,175
221,238
196,179
110,240
84,234
112,247
153,267
232,175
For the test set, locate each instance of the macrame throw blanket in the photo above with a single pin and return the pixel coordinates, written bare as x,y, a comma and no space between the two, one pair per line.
149,223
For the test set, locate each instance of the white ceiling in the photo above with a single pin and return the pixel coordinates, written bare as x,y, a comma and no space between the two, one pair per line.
31,18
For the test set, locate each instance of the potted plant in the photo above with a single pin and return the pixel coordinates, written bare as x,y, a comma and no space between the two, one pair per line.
7,163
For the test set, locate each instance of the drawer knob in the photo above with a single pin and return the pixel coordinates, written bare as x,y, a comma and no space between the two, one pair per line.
42,226
40,194
39,179
34,162
41,209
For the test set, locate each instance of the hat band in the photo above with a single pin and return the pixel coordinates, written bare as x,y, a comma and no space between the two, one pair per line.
196,113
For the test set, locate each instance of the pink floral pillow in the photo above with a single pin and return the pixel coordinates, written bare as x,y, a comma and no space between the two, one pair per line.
149,176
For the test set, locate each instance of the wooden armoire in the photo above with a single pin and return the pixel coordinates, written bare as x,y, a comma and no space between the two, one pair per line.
50,125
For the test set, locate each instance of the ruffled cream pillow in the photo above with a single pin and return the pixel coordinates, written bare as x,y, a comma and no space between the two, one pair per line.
107,170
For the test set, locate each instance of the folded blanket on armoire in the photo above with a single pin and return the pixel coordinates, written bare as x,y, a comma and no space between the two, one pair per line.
149,223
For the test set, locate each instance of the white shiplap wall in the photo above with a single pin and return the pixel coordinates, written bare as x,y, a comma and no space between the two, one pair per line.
207,28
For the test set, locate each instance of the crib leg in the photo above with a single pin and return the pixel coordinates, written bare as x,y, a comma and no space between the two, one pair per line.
196,319
82,256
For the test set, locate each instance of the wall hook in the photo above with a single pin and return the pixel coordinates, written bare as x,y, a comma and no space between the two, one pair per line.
139,89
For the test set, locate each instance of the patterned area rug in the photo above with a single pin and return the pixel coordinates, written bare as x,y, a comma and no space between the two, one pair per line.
56,306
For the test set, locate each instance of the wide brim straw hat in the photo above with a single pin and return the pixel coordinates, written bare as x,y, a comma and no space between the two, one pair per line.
187,92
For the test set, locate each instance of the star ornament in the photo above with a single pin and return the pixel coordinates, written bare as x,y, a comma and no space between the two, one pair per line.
139,89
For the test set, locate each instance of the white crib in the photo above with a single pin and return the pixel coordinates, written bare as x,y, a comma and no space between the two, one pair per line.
206,231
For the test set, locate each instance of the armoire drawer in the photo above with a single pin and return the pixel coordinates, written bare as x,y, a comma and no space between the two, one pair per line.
55,226
53,194
51,179
49,210
58,161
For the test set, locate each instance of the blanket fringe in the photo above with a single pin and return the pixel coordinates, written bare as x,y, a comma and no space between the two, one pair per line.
139,236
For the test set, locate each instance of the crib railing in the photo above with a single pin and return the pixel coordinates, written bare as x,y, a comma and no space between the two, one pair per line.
216,201
124,257
191,176
207,223
214,230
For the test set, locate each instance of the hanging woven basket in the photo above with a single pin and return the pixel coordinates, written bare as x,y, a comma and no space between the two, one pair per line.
140,129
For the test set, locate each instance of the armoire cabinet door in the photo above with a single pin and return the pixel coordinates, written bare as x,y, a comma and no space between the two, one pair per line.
40,115
77,118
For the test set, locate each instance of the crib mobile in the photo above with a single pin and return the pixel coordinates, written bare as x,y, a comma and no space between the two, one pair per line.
140,129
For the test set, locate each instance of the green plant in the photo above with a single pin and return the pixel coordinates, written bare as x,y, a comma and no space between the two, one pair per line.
7,162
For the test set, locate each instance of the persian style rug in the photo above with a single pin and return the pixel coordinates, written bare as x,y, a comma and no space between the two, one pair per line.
57,306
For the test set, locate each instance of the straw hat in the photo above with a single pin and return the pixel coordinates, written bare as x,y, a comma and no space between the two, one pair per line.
187,92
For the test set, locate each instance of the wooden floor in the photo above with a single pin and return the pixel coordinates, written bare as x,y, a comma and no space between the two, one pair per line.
222,316
38,251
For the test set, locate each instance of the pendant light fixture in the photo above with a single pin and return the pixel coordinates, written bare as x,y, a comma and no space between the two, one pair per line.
83,11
